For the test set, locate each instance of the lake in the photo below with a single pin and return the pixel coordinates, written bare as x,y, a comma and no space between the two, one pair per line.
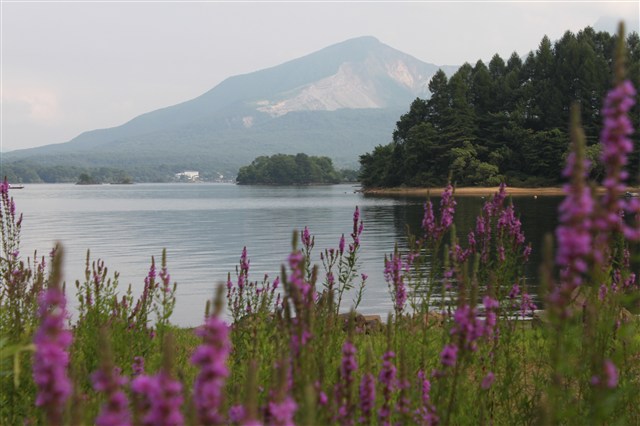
205,226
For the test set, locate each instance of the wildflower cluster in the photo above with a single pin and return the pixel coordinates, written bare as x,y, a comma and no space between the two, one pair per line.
246,297
51,358
346,260
211,358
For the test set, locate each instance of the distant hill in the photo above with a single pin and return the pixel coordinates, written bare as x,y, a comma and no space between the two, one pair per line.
339,102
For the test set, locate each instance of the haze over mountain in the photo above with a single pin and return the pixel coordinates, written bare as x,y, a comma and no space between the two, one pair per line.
339,102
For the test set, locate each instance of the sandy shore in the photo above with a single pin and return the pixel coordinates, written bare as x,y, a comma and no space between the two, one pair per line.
473,191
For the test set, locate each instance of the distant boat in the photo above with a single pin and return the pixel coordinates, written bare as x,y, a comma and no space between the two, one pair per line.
631,194
16,186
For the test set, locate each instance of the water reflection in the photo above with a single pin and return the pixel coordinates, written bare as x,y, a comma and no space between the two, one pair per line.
204,228
537,214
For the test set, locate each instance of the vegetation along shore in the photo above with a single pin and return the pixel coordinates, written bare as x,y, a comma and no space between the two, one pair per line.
479,191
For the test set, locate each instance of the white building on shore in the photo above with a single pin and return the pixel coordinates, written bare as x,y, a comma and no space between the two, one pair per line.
188,175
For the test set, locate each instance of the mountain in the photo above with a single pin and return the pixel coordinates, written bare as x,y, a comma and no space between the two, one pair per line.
339,102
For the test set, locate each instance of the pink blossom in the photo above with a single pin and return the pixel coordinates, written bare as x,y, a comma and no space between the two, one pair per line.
211,358
51,359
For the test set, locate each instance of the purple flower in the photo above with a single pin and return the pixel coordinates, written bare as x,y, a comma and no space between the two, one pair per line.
609,377
575,245
490,306
468,327
426,413
115,412
514,292
447,209
307,240
51,359
357,230
488,380
394,270
367,397
429,222
322,396
163,398
349,364
237,413
211,358
610,374
526,305
138,366
348,367
425,385
432,231
449,355
303,295
387,380
281,413
616,146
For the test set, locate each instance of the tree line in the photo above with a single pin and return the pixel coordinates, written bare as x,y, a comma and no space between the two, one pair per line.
505,121
27,172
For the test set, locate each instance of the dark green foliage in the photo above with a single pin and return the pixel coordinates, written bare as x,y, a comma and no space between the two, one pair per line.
86,179
29,172
283,169
349,175
505,121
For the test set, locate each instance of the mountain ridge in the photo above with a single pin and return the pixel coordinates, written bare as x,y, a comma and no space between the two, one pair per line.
358,77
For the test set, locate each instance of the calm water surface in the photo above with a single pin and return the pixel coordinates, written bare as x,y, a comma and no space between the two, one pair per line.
205,226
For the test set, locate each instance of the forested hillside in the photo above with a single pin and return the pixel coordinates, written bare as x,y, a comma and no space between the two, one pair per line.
505,121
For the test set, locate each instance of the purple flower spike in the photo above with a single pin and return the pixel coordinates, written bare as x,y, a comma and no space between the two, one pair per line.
282,413
387,380
432,231
51,359
394,270
307,240
610,374
426,413
211,358
575,243
609,378
367,397
616,147
447,209
163,399
348,367
237,413
488,380
138,366
115,412
349,364
449,355
429,221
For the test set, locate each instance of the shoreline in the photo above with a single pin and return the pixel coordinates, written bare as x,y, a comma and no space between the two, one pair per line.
555,191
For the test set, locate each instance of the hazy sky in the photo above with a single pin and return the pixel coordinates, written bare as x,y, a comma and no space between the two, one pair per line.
68,67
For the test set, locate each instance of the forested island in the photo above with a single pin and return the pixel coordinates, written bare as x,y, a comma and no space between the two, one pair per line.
284,169
505,122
